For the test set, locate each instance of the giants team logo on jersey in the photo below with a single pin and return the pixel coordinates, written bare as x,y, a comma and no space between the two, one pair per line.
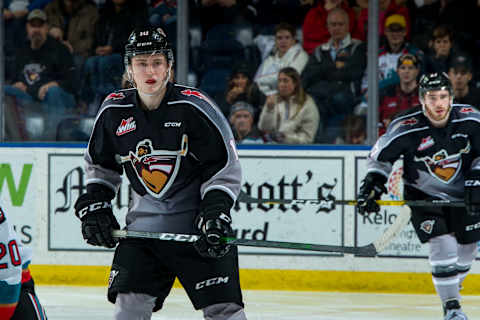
442,166
115,96
156,169
126,126
426,143
427,226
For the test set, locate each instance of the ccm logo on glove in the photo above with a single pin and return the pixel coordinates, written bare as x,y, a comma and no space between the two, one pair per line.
93,207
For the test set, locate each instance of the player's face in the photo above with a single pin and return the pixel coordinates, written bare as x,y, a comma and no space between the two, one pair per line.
149,72
437,104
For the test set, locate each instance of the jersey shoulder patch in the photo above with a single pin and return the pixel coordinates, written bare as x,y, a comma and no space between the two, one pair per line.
406,122
194,95
119,97
465,112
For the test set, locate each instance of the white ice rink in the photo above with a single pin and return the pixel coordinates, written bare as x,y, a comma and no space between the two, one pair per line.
75,303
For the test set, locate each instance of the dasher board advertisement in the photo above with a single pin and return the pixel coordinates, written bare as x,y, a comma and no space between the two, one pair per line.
283,177
277,177
18,193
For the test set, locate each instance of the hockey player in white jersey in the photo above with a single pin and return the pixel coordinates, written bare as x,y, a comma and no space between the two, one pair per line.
18,300
440,145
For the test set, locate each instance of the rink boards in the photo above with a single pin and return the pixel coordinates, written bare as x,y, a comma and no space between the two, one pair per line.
40,185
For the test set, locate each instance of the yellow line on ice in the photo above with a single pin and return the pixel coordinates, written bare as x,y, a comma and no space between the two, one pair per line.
265,279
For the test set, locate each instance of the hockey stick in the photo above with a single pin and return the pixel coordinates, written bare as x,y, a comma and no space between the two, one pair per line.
243,197
369,250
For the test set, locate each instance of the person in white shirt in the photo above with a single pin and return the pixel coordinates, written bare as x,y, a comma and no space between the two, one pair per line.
286,53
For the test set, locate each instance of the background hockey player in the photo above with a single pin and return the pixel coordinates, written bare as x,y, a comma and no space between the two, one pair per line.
18,300
440,144
179,155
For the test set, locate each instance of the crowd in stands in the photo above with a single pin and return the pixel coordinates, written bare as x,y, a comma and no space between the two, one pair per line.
291,72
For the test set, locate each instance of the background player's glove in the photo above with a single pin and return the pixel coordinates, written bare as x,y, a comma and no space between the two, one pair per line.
472,193
214,223
94,209
372,188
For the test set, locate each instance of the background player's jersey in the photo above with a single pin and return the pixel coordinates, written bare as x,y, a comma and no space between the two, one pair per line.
14,258
168,154
435,159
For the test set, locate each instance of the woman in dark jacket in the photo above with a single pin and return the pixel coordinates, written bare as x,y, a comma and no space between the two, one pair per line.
241,87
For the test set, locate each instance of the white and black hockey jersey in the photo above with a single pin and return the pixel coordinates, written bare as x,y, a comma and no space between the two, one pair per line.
14,262
172,155
435,160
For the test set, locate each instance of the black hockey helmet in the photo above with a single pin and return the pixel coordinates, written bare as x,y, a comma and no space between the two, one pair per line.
147,40
432,82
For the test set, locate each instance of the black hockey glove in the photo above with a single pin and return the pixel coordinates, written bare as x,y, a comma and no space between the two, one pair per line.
372,188
472,193
94,209
214,223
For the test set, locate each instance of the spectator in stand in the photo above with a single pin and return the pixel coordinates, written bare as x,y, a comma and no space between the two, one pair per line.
441,50
271,13
72,22
397,98
212,12
333,75
395,46
241,87
290,116
103,71
354,130
286,53
460,73
243,124
387,8
315,29
460,15
44,69
164,15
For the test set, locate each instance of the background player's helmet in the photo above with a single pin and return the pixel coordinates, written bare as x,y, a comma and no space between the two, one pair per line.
147,40
432,82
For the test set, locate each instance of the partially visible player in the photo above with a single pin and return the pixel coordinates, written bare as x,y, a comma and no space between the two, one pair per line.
18,300
440,145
